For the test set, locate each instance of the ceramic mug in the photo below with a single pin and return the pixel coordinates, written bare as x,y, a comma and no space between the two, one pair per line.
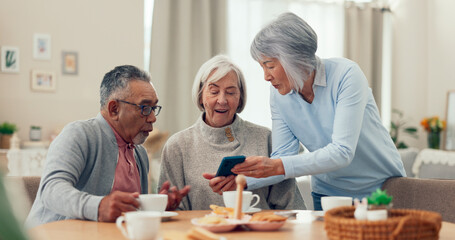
230,198
140,225
153,202
377,215
329,202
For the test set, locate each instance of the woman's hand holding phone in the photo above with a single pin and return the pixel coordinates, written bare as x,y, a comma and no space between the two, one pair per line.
224,179
220,184
260,167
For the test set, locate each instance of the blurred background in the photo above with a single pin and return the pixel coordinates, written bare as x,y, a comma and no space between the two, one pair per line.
405,48
54,54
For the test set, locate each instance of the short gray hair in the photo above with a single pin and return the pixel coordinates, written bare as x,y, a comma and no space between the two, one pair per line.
115,83
223,65
293,42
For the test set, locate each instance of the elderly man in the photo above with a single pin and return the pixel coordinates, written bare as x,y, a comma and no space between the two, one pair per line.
96,168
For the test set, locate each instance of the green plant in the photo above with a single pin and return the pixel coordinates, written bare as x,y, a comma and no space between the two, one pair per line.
8,128
399,125
10,59
379,197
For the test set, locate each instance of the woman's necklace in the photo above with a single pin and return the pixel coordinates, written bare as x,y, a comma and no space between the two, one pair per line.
307,92
309,99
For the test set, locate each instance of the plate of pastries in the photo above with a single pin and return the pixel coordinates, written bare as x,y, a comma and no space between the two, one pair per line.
221,219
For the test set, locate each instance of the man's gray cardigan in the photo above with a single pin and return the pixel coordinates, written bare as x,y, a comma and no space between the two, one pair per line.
79,172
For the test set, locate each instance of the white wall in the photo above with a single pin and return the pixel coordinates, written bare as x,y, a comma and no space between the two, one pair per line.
441,55
105,33
423,55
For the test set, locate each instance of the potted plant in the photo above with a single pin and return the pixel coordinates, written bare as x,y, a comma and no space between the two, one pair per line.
398,126
434,126
6,130
378,205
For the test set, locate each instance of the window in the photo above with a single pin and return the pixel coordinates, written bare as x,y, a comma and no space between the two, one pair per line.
246,17
148,16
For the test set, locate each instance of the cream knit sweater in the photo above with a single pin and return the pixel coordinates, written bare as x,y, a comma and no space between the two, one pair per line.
200,148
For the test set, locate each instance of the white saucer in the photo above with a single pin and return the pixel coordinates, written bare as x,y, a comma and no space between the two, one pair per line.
318,213
253,210
167,215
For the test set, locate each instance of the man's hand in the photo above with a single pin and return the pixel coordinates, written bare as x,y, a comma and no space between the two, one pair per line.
259,167
174,196
112,205
220,184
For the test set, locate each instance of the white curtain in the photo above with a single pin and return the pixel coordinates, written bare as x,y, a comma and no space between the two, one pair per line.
247,17
185,34
364,42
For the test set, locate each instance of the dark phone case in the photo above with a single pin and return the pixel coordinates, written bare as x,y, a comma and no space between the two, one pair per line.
227,164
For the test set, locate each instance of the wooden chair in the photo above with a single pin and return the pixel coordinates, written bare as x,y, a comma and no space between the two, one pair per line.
436,195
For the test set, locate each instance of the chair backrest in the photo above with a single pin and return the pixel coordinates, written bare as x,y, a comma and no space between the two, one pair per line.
21,192
408,156
31,184
436,195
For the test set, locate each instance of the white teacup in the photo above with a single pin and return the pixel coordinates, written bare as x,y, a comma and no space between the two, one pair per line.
153,202
329,202
230,198
140,225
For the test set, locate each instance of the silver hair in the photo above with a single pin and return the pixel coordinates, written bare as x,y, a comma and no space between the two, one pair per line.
293,42
223,65
115,83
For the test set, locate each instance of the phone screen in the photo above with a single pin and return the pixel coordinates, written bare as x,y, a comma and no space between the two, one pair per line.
227,164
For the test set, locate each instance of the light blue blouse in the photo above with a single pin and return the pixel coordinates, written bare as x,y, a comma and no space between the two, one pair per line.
350,151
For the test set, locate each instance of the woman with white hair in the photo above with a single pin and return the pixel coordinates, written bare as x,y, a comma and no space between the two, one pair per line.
190,156
326,105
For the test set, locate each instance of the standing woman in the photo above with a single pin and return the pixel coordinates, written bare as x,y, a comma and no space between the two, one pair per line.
326,105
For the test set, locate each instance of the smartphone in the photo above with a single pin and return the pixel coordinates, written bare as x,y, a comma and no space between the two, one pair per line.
227,164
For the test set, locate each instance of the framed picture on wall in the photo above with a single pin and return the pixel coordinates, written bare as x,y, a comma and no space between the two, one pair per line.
42,46
43,81
69,63
10,59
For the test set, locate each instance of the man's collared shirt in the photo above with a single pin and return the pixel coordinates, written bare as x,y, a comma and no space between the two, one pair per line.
126,177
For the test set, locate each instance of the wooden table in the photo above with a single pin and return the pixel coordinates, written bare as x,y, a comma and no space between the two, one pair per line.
78,229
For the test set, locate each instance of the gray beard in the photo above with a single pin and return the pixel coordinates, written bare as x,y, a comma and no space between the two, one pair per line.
139,139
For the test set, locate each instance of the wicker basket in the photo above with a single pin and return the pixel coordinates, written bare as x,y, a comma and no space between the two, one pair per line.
401,224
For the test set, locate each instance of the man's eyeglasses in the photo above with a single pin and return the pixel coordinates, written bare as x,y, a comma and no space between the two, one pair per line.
145,109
